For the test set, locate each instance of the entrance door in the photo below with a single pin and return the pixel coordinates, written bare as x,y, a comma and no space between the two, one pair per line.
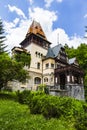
62,81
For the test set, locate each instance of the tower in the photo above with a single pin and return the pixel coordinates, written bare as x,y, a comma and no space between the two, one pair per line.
37,45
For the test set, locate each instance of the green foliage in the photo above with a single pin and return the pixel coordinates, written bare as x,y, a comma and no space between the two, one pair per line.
24,97
10,69
52,106
43,88
24,58
70,51
14,116
8,95
81,122
64,113
80,53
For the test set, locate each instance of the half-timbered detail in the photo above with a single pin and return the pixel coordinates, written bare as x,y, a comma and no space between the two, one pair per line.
51,66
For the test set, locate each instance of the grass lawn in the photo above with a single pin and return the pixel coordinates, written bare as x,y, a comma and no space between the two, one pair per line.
14,116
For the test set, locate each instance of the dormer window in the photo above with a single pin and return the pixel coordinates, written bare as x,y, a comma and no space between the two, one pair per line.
36,27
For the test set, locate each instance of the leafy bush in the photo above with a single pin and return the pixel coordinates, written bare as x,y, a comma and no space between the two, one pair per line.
24,96
81,122
53,106
43,88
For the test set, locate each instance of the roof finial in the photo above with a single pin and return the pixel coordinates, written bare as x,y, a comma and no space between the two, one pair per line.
58,38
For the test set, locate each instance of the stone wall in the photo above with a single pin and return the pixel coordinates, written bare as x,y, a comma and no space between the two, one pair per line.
76,91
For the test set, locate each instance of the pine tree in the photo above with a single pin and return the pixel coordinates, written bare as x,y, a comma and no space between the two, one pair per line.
2,39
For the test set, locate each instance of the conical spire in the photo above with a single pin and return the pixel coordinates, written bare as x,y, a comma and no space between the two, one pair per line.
36,28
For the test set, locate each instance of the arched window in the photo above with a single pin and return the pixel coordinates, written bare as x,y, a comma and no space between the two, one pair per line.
38,65
45,79
39,55
37,80
36,53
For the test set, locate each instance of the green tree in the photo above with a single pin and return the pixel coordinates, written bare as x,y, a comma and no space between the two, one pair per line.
11,69
24,58
70,51
2,38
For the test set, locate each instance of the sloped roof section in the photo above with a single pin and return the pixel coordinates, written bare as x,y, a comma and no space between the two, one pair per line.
72,60
50,53
57,49
36,28
53,52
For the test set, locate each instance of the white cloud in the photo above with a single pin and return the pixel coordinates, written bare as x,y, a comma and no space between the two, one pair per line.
16,21
58,36
59,1
63,38
31,2
75,41
85,16
17,10
15,34
45,17
49,2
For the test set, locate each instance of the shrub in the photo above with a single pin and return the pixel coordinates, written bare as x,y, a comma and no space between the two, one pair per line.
81,122
53,106
24,96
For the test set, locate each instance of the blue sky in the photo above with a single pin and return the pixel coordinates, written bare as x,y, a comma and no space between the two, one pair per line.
66,18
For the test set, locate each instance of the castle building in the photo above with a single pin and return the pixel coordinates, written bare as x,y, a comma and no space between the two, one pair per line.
51,66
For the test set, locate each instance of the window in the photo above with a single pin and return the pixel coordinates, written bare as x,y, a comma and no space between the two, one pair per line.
47,65
36,53
38,65
76,79
37,80
41,55
36,27
46,79
52,65
51,79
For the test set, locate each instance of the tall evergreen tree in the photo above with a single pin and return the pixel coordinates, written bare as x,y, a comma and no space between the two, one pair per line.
2,39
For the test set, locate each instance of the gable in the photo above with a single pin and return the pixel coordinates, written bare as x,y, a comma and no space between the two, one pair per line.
73,61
